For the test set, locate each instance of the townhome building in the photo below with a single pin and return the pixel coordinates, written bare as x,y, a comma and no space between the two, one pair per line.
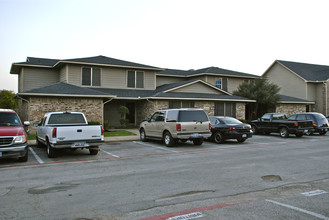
99,85
306,82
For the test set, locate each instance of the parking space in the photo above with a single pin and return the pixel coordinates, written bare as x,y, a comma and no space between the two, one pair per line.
129,149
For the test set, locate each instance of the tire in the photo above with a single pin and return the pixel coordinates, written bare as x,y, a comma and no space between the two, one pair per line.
322,132
299,135
241,140
218,138
198,141
39,144
51,152
142,134
94,150
24,158
168,139
284,133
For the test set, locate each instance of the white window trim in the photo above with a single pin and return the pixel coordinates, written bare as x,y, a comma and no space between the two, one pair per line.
91,76
135,71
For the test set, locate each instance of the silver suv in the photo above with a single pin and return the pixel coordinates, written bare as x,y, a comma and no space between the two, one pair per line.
172,125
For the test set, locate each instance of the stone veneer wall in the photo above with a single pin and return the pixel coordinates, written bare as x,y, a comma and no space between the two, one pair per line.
38,106
240,110
290,109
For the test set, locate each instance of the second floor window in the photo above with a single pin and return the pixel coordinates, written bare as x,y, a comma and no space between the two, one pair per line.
135,79
219,83
91,76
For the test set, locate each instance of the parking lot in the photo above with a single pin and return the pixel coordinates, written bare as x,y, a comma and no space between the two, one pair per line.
266,177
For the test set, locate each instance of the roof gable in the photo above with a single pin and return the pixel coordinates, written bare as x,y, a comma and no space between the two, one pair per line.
309,72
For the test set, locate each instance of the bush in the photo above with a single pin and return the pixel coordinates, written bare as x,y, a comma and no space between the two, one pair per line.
94,123
243,120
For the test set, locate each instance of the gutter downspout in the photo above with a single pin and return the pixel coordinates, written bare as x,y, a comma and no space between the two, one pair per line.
326,96
28,109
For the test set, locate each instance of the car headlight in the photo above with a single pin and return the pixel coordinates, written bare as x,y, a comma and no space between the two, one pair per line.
20,139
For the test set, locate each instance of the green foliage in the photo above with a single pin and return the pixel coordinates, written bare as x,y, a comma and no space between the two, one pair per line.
243,120
7,100
94,123
265,93
123,110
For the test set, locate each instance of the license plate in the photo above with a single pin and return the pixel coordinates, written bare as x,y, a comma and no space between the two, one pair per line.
195,135
79,144
244,135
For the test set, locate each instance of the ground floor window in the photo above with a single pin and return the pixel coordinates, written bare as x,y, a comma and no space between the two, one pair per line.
181,104
225,109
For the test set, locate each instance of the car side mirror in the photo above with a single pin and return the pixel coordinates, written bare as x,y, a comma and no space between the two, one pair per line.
26,123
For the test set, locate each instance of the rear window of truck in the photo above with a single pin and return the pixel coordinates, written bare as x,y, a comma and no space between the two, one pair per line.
69,118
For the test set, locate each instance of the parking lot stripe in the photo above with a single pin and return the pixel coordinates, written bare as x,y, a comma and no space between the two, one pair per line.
150,145
36,156
300,210
113,155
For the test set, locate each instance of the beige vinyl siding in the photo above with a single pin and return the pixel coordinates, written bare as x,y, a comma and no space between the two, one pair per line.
197,88
289,82
74,74
62,74
38,77
233,84
149,80
21,80
163,80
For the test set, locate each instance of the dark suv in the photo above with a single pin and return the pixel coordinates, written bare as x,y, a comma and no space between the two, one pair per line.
320,123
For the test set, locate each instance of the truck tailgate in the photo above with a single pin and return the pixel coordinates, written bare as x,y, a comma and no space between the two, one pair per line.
194,127
79,133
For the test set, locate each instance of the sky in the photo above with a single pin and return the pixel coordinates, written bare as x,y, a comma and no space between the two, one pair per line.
240,35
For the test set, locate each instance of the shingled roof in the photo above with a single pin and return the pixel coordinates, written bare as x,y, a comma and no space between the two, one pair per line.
309,72
205,71
97,60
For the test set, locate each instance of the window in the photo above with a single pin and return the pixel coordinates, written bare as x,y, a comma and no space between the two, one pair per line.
91,76
225,109
219,83
135,79
181,104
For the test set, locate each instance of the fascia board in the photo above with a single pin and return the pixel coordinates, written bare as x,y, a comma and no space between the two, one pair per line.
197,81
295,102
108,65
221,74
201,99
66,95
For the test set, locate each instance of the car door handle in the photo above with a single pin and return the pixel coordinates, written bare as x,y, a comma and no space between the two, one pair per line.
79,130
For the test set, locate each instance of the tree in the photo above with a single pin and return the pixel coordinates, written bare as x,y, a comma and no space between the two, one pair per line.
7,100
265,93
123,110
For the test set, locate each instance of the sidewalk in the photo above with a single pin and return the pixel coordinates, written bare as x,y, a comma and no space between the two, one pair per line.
110,139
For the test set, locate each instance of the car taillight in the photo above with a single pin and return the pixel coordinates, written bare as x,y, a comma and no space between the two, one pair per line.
231,129
178,127
296,124
102,130
209,126
315,125
54,135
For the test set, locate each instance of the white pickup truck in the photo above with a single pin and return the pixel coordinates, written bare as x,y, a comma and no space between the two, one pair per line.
70,130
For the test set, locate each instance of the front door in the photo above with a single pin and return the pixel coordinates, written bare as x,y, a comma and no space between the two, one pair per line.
131,115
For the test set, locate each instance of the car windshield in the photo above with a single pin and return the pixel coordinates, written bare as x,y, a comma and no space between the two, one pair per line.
230,121
9,119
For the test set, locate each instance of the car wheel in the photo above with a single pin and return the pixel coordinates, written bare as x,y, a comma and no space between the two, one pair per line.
218,138
299,135
168,139
142,135
322,132
94,150
51,152
24,158
241,140
284,132
198,141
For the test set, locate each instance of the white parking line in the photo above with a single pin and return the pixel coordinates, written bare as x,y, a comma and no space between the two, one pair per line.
36,156
300,210
149,145
113,155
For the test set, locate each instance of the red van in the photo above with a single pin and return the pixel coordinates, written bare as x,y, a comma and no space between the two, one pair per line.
13,139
